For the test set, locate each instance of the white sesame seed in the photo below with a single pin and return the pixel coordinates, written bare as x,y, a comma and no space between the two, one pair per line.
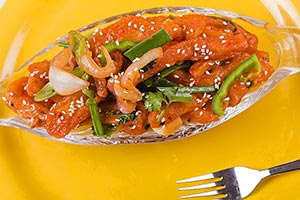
178,51
136,59
135,25
117,42
201,113
248,83
265,72
100,33
4,99
207,72
199,100
217,86
225,23
221,37
152,28
227,31
133,127
197,108
129,23
142,28
168,65
111,80
223,41
176,76
227,99
192,83
24,102
204,35
183,51
139,112
11,94
203,46
206,57
88,44
152,22
34,73
175,29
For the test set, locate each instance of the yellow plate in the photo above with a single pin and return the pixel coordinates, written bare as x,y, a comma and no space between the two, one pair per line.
32,167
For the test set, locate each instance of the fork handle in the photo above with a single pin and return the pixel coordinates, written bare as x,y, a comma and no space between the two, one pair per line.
294,165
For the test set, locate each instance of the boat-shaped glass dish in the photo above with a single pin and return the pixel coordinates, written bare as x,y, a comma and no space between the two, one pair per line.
282,44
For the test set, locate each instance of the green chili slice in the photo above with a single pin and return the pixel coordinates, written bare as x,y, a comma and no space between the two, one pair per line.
158,39
64,44
89,93
159,82
249,64
45,93
77,71
78,44
113,46
119,45
98,128
159,79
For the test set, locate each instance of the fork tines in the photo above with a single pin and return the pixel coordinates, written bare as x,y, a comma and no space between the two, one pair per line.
210,185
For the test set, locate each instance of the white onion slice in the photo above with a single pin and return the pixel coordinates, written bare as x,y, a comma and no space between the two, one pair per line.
90,66
131,75
65,83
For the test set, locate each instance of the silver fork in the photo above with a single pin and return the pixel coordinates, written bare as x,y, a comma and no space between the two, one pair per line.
233,183
285,47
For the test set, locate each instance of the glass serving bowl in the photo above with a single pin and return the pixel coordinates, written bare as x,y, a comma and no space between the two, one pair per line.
281,42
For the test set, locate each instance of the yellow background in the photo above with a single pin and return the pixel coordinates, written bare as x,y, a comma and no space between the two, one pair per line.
34,168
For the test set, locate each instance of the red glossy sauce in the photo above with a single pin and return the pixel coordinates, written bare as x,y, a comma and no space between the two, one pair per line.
214,46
